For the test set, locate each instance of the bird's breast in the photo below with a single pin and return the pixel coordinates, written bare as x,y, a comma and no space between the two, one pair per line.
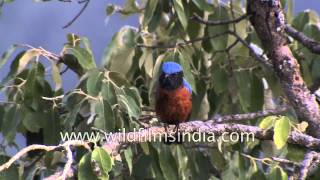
173,106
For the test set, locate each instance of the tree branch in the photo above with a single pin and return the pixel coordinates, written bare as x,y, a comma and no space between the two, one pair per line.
268,21
183,43
258,57
86,2
310,159
234,117
198,19
34,147
115,141
249,116
310,43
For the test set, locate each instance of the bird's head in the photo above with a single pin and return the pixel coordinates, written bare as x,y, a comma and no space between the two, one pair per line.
172,76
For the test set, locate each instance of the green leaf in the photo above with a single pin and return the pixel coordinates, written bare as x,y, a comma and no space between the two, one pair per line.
289,14
10,173
277,173
155,77
220,79
300,20
284,175
26,58
74,108
56,76
32,91
33,121
146,61
179,8
51,128
312,31
130,104
103,159
149,11
281,131
128,156
83,56
145,148
180,155
134,93
244,79
86,43
203,5
6,55
13,69
85,169
267,122
167,163
221,42
108,93
119,54
10,123
303,18
94,82
117,78
130,7
105,119
157,21
315,69
185,57
73,40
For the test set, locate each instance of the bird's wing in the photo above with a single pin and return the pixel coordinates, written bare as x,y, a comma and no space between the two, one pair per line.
187,85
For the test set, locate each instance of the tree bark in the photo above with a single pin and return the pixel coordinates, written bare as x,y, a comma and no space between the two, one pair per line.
268,20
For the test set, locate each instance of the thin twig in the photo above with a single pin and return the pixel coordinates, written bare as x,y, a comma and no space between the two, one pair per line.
65,70
183,43
77,15
260,58
198,19
285,161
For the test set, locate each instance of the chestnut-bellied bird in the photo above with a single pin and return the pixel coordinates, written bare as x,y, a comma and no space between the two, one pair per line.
173,97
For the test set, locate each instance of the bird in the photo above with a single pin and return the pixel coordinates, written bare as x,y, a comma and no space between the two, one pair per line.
173,103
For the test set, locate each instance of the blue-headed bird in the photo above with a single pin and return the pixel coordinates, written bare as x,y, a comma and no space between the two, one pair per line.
174,95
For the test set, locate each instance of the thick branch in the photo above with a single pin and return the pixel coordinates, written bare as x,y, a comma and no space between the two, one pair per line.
310,43
115,141
249,116
269,24
310,159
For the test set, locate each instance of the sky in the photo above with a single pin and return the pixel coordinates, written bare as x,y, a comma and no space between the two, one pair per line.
40,24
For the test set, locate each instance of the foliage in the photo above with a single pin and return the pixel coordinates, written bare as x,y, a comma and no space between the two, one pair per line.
114,95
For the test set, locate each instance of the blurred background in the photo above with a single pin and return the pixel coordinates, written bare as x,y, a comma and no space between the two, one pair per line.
40,24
